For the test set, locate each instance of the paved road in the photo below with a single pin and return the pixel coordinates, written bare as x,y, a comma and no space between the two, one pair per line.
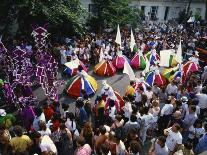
119,82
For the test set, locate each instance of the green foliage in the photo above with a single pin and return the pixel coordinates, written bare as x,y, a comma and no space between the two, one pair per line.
183,16
197,16
110,13
63,16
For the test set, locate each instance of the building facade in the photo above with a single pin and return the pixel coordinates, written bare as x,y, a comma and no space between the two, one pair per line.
160,10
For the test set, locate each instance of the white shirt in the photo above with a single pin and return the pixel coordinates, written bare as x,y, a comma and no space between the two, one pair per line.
112,112
173,139
202,100
148,119
47,145
171,89
69,125
127,109
149,96
46,132
167,110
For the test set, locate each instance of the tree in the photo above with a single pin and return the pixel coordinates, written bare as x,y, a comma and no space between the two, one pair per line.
185,14
63,16
110,13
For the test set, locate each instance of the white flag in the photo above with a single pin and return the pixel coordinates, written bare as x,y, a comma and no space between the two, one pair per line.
118,36
178,55
132,41
128,70
165,57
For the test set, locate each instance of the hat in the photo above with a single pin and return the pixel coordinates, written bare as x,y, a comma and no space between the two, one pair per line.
177,114
184,99
2,112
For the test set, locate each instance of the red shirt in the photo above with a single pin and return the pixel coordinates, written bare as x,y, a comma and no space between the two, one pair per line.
48,111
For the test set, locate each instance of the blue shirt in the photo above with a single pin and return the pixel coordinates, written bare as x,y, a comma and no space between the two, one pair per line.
202,145
83,115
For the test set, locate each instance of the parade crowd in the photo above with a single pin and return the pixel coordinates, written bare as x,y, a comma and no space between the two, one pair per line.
169,112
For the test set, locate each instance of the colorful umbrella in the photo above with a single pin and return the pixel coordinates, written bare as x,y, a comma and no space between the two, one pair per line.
154,77
152,57
105,68
172,73
138,61
72,67
188,67
81,82
118,62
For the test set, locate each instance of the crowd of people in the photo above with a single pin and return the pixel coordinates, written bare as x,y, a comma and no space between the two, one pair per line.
171,115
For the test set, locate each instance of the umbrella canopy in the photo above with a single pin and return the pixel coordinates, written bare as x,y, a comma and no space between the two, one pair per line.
152,57
171,73
78,83
155,78
105,68
138,61
118,62
72,67
188,67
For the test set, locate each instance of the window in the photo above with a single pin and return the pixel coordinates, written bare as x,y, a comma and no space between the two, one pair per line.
166,12
143,8
153,12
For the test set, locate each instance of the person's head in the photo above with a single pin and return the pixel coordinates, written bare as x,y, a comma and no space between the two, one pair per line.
155,103
141,89
144,98
88,127
65,106
70,115
133,118
38,111
102,130
42,125
134,109
37,136
134,147
18,131
161,141
132,83
126,99
192,109
176,127
188,145
98,98
198,123
105,149
80,141
79,102
45,105
132,133
111,103
149,88
80,68
118,117
177,114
